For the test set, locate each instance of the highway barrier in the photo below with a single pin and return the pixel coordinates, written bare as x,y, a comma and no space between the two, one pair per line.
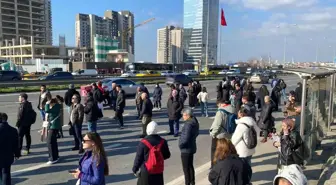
88,80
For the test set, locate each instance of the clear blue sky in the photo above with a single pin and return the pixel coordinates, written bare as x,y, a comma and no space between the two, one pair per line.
252,25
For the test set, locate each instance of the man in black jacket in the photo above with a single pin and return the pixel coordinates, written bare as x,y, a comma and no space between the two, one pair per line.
187,144
146,113
113,96
9,141
91,112
238,97
174,106
97,97
120,103
249,106
69,94
24,122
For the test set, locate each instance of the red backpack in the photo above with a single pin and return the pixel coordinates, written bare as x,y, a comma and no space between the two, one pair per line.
155,161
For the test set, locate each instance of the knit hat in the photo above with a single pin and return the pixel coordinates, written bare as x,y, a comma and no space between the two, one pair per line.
152,128
293,173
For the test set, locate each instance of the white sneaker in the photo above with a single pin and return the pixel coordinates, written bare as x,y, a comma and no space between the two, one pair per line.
52,162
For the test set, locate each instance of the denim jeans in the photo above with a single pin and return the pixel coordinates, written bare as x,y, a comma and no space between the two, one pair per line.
43,114
92,126
284,96
204,107
174,126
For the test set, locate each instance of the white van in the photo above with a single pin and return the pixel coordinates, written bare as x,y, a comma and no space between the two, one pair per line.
85,72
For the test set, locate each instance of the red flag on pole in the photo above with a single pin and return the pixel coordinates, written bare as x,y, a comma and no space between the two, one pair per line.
223,21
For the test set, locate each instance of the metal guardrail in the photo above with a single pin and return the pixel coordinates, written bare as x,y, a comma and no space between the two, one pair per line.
86,80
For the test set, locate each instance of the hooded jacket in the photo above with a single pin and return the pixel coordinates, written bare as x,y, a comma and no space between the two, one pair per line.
294,174
189,133
240,136
216,129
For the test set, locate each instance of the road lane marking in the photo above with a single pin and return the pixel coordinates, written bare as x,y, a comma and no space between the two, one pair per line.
162,132
180,180
18,172
113,146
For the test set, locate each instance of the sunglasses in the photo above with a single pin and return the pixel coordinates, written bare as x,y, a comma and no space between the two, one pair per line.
84,141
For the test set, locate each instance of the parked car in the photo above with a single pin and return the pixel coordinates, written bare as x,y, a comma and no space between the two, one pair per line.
167,73
129,74
259,78
190,73
86,72
10,76
58,76
178,79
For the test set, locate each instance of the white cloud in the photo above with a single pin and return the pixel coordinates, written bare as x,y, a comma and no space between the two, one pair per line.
318,16
278,16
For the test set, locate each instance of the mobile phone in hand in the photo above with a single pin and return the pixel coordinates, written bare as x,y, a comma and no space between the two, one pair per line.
72,171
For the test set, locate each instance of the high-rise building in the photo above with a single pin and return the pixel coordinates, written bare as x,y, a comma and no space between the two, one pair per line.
112,25
200,34
169,45
22,19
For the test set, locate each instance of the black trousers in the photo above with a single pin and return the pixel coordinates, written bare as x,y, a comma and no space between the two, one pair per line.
5,175
120,118
52,145
24,131
157,104
188,168
213,150
138,107
77,134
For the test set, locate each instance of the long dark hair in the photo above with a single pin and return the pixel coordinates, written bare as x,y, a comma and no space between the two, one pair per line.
263,90
98,151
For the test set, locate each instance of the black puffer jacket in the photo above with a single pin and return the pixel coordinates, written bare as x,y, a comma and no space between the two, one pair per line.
91,110
230,171
174,106
190,131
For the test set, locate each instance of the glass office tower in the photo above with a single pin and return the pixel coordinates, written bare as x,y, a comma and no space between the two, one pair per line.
200,23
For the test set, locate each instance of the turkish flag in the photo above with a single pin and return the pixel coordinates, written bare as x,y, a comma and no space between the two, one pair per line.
223,21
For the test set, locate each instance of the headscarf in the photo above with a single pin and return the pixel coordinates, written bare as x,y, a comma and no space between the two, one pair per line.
152,128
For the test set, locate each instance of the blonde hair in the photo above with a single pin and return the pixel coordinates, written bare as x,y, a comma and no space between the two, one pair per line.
267,99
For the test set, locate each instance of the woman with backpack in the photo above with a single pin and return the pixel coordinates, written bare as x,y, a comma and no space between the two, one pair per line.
146,155
228,168
244,137
291,146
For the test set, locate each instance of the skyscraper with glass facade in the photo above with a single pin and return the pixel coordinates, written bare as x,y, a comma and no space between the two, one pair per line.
200,24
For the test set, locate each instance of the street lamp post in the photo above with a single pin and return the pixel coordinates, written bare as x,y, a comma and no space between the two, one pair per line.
285,44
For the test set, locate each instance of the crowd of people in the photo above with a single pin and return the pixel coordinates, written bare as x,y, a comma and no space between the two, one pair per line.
234,130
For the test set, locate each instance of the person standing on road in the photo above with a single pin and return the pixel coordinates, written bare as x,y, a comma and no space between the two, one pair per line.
174,107
9,142
93,166
192,95
68,96
238,97
42,101
241,137
53,109
138,101
76,119
24,122
146,113
182,94
98,97
249,106
266,120
91,112
144,150
157,94
228,168
217,131
60,101
113,96
298,93
219,91
263,91
187,144
144,89
121,103
203,98
275,96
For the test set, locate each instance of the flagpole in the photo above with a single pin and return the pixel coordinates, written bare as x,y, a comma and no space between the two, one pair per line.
220,45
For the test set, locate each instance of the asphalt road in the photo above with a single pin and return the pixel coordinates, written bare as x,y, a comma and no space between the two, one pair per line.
120,145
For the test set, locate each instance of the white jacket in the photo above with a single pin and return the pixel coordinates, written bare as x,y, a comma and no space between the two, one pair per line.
203,97
240,135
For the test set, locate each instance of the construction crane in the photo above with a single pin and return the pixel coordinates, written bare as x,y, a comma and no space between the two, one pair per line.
126,32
